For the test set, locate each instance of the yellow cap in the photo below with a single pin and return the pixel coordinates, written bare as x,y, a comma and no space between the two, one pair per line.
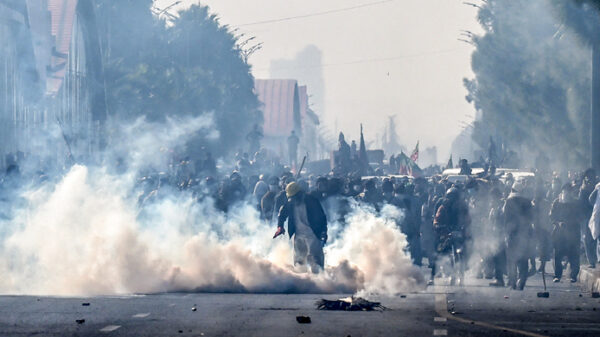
292,189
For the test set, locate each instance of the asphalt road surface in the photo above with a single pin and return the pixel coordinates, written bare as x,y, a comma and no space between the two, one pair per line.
473,310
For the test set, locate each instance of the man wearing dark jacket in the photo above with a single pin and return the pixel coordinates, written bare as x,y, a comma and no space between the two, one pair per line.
566,214
518,217
451,224
497,245
267,203
307,224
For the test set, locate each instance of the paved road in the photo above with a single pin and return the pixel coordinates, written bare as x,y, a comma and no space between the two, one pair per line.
475,310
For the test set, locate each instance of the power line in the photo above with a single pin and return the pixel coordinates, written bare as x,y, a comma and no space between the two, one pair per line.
332,11
370,60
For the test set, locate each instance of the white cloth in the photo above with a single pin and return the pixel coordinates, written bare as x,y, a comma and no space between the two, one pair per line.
301,219
307,247
260,189
594,223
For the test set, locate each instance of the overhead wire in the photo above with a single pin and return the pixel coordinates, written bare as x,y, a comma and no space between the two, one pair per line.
332,11
339,10
369,60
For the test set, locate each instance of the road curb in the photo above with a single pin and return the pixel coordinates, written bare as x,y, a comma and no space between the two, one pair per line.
590,279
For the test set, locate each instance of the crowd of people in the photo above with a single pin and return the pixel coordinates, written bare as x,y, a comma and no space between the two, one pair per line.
500,226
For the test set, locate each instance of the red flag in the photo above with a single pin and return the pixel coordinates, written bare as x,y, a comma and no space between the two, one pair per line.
415,154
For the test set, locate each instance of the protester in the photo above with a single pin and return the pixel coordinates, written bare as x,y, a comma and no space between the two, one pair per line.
343,161
465,169
307,226
594,221
589,243
518,217
566,214
321,191
371,195
451,223
542,225
497,246
493,224
267,203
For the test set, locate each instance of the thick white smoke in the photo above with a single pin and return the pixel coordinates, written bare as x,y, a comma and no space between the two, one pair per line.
376,247
87,234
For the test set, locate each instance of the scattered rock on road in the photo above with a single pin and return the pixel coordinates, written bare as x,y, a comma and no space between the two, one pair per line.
303,319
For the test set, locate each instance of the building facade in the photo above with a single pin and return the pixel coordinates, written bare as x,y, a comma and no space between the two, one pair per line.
52,98
285,107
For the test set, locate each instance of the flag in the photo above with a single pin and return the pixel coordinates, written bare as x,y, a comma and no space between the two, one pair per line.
415,154
362,153
408,166
450,164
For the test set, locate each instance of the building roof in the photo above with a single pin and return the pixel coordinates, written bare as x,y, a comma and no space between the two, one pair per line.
281,105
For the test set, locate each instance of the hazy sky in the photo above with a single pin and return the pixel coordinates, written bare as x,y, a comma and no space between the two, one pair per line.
398,58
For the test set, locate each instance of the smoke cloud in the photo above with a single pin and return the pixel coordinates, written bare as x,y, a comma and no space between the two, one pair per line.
532,84
87,233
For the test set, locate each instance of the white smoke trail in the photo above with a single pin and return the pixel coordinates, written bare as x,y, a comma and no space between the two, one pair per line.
375,245
87,235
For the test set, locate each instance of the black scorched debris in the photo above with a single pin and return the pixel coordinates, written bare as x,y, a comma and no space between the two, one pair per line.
349,304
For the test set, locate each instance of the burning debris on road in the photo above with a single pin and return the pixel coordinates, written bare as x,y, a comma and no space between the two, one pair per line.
350,304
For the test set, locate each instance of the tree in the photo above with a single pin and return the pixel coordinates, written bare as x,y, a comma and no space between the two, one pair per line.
582,16
531,84
189,67
217,77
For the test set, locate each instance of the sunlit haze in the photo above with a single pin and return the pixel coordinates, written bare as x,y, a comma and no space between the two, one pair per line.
400,58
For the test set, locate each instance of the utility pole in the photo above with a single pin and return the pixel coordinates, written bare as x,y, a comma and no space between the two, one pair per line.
595,119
